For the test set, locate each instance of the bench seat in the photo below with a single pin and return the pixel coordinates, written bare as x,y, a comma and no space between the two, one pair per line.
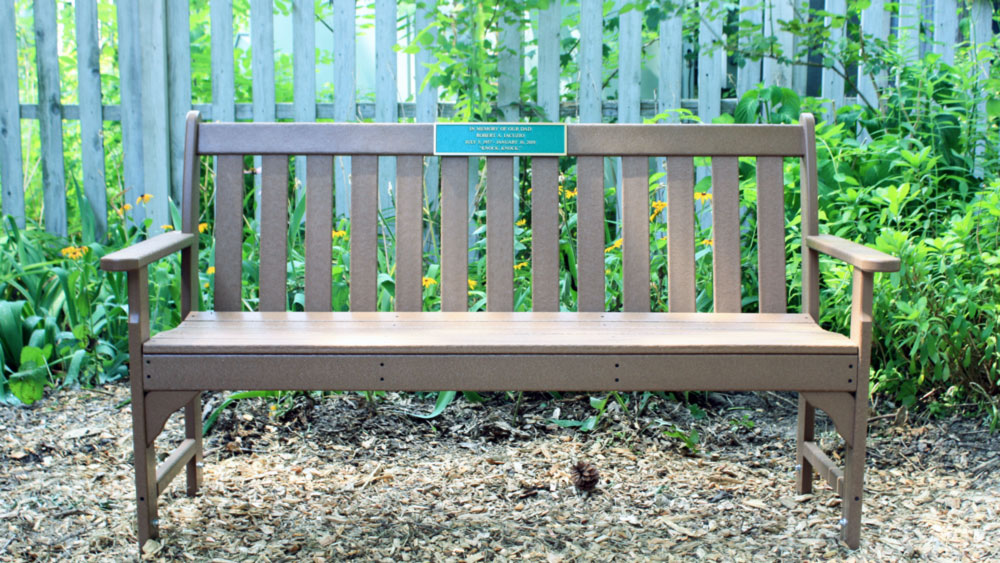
500,351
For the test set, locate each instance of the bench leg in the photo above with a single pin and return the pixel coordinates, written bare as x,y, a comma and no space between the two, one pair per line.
192,430
854,473
806,433
145,476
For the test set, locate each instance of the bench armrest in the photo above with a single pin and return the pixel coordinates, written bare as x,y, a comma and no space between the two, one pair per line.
857,255
147,251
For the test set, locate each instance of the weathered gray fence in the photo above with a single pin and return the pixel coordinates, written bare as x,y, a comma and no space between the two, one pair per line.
155,77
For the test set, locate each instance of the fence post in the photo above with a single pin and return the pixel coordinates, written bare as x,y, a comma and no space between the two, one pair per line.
875,23
591,42
50,116
155,129
11,178
908,29
344,87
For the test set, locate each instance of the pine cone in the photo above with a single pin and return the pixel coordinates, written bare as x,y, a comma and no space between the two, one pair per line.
585,476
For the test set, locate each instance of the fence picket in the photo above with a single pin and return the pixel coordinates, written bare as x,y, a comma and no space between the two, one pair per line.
155,129
945,29
981,15
874,22
304,71
591,42
344,108
908,29
629,79
130,82
262,73
509,81
179,81
91,121
11,161
50,116
385,92
775,73
748,75
549,24
832,82
711,59
427,99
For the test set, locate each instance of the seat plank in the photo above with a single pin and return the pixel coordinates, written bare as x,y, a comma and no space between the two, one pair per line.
364,214
771,234
319,226
274,233
229,233
544,234
496,333
454,233
409,233
726,234
499,233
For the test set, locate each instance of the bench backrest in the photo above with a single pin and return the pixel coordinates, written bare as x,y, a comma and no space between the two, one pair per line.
589,144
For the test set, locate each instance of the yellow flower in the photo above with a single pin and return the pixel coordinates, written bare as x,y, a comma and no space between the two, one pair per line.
74,252
522,222
658,207
121,210
206,285
202,227
167,227
707,242
337,234
520,265
529,191
428,282
472,284
615,246
210,271
144,198
570,194
703,196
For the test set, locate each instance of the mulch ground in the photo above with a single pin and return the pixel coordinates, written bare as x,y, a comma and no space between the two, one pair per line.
335,480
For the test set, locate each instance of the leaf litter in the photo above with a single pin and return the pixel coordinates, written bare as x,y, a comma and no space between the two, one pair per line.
336,480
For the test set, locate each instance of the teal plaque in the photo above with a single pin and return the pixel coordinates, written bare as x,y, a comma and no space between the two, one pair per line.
499,139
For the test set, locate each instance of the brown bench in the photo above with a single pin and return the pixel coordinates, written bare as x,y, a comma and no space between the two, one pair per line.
588,350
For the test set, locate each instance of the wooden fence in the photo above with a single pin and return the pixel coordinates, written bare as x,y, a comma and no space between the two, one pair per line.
155,81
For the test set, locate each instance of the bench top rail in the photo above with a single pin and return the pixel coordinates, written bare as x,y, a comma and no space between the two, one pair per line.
587,144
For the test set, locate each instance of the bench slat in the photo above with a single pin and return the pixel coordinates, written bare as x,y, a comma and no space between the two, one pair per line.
726,234
544,234
499,233
409,233
454,233
771,234
680,234
274,233
319,227
229,233
590,233
364,258
635,244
